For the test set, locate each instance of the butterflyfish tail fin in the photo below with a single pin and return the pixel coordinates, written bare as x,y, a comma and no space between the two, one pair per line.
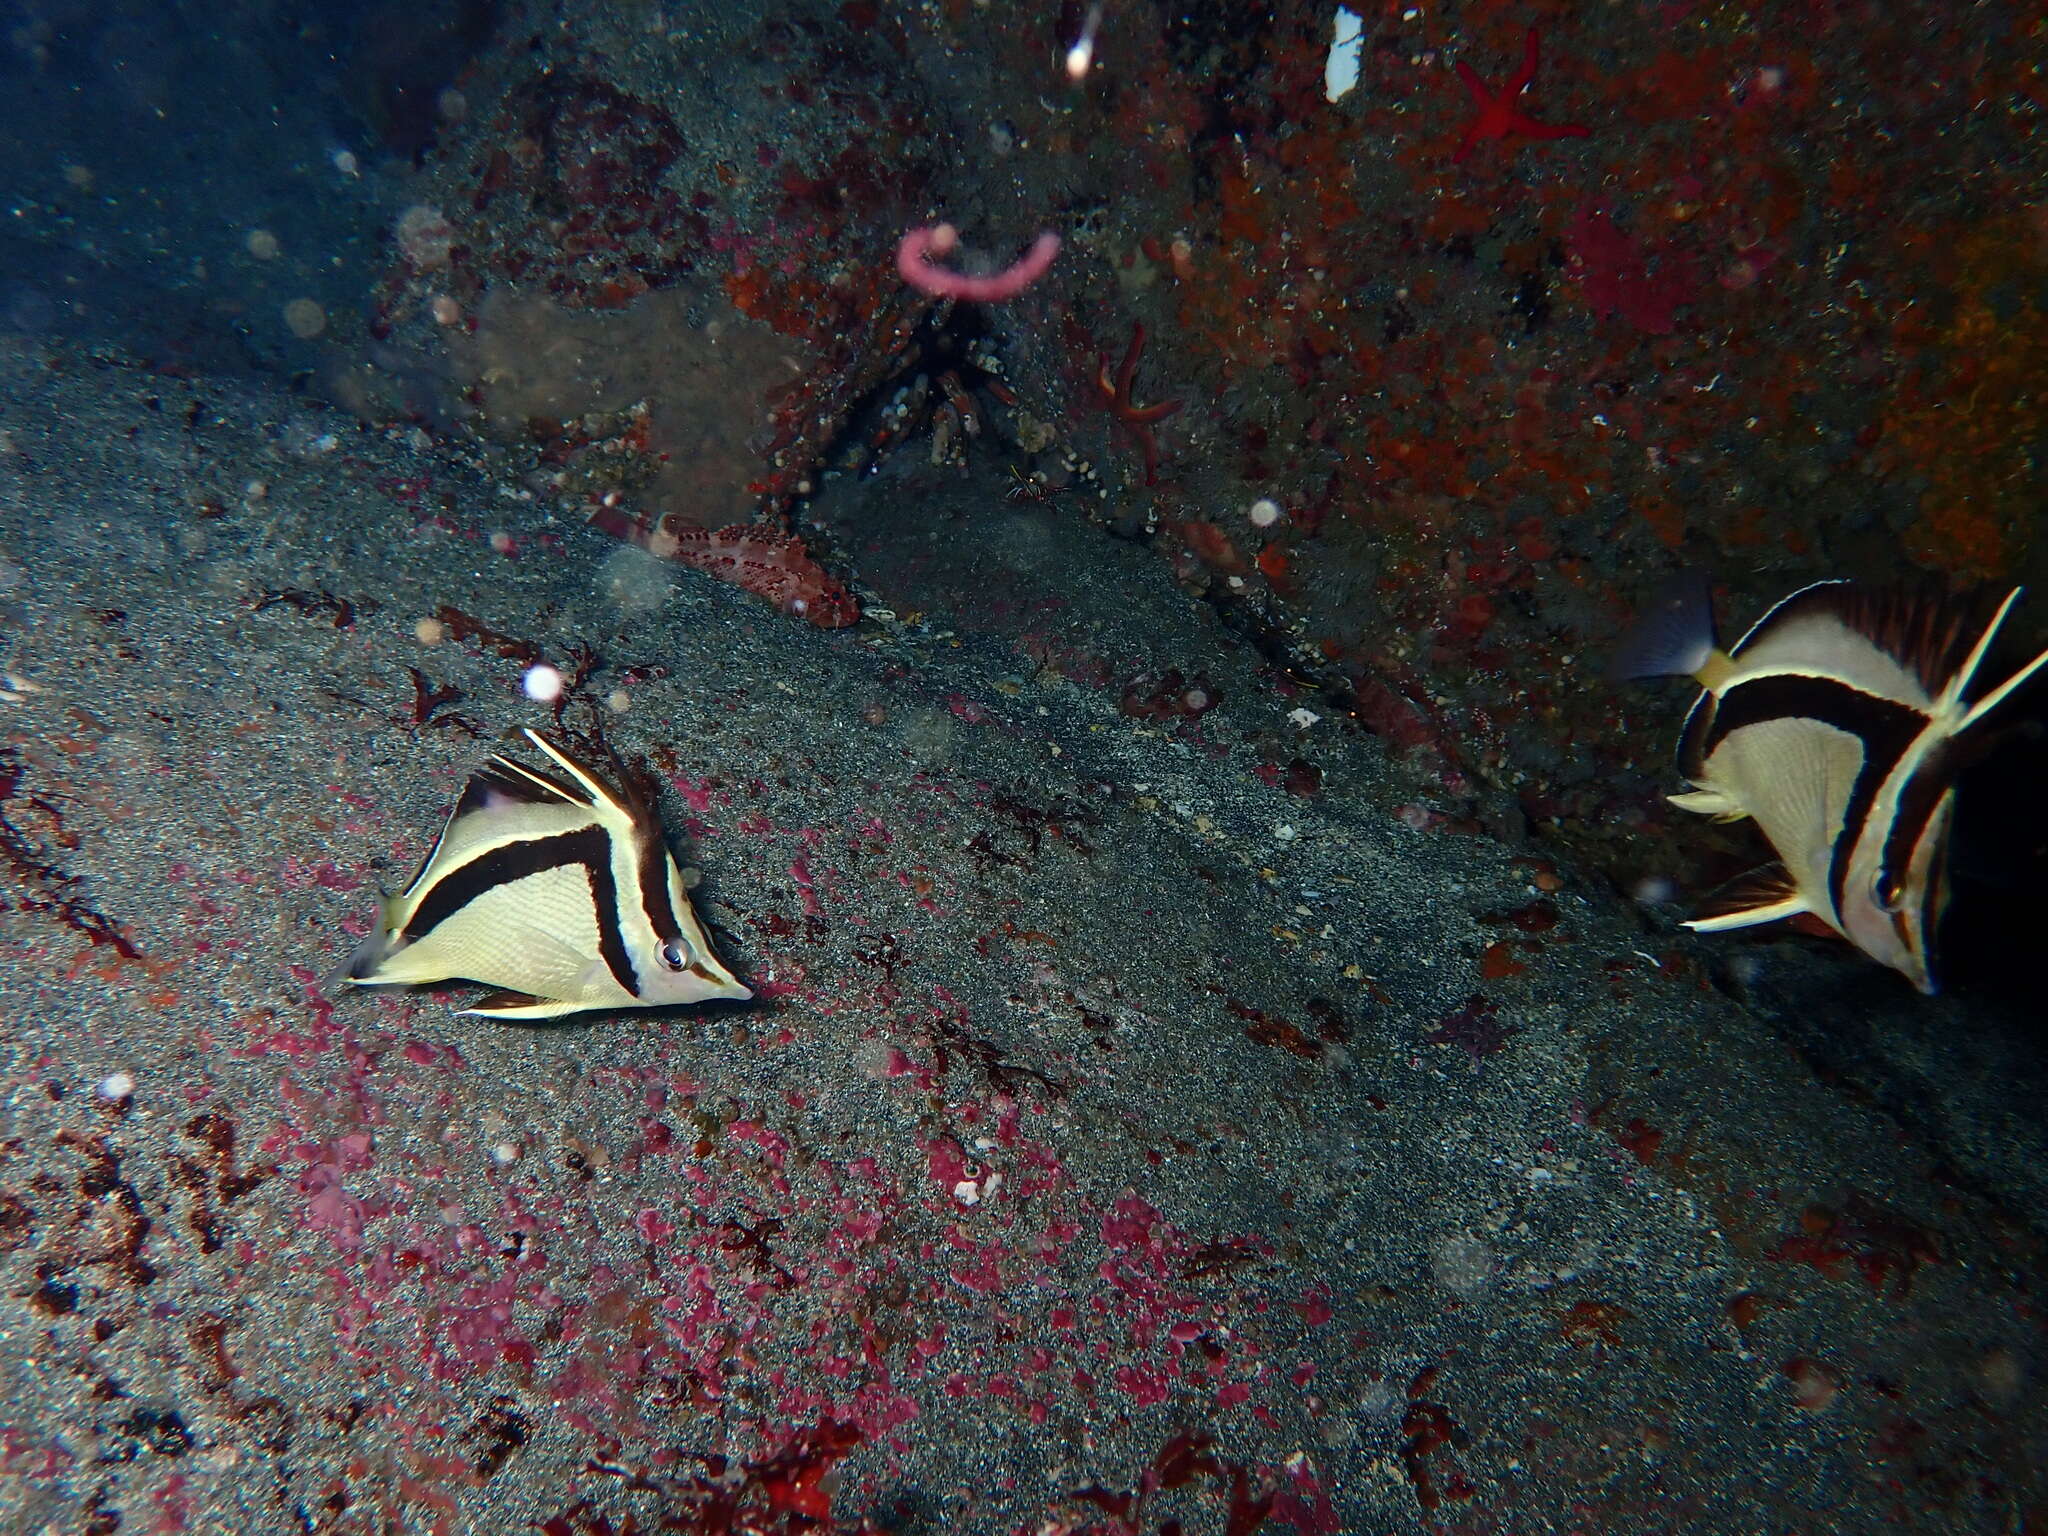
333,984
368,957
1673,636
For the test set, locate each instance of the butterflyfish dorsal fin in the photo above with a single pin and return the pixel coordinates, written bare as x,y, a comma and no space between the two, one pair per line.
1902,643
536,786
619,798
594,789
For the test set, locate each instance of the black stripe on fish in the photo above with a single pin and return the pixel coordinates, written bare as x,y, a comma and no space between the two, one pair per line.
591,847
1886,728
611,938
506,780
1933,778
1918,802
629,793
1692,740
1933,904
623,793
650,855
655,900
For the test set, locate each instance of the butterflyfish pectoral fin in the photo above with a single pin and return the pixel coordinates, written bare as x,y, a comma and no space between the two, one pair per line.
1708,802
1763,895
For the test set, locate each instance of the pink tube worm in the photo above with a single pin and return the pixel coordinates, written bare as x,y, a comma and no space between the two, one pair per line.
914,261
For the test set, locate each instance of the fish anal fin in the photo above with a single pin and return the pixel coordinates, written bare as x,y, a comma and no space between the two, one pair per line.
1814,926
1763,895
520,1005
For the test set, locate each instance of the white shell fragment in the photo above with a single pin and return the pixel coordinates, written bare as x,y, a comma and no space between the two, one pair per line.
1347,44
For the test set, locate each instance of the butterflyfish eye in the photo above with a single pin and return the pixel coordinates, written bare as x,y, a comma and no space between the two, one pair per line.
674,956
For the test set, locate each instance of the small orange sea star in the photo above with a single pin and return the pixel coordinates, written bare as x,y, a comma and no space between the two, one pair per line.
1135,419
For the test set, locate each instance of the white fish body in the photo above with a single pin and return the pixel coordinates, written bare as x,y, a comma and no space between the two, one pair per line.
560,891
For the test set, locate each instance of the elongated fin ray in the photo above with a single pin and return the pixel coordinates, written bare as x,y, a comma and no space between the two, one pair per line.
1960,680
514,781
594,788
530,785
1988,725
1982,711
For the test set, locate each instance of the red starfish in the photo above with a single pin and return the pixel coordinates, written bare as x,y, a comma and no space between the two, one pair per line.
1135,419
1498,116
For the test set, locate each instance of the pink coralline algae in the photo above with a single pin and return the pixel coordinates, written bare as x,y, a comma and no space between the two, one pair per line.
447,1264
1314,1306
479,1327
1473,1029
1303,1502
1145,1383
1129,1225
330,1208
1622,278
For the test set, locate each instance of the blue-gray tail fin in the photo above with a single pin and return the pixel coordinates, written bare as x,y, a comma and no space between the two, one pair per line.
364,959
1673,635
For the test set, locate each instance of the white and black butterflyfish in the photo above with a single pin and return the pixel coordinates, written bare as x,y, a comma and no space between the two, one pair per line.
1839,723
558,889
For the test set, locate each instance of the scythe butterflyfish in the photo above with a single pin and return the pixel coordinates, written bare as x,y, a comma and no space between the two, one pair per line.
1839,723
557,888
